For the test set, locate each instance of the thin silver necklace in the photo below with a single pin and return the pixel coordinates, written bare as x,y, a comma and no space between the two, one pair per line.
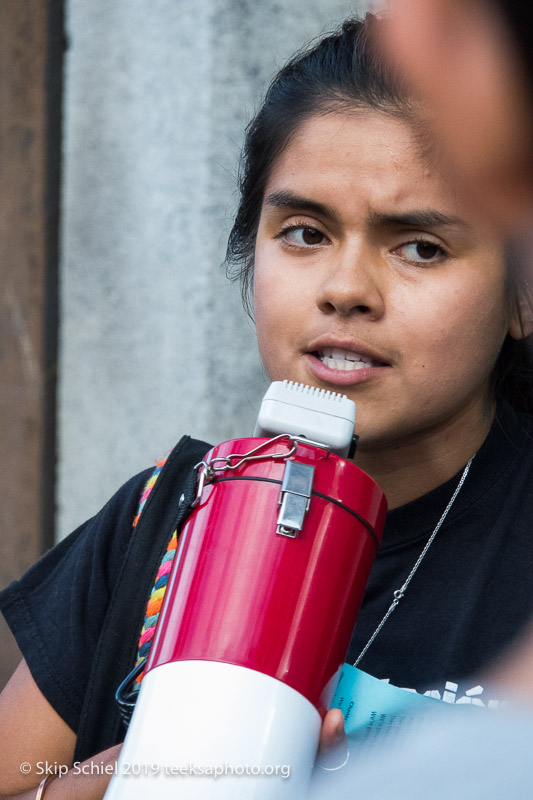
399,593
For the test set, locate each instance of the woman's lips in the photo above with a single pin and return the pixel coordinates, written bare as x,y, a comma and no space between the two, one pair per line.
343,368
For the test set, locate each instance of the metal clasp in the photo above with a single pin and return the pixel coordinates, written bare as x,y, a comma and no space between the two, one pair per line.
294,497
210,469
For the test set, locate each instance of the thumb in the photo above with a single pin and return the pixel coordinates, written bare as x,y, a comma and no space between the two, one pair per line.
333,743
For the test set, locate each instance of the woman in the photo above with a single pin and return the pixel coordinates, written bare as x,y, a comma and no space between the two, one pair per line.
370,279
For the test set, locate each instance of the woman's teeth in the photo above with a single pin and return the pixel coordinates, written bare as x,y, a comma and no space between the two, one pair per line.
344,359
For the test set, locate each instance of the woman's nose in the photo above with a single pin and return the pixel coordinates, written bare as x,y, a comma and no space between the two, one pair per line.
351,286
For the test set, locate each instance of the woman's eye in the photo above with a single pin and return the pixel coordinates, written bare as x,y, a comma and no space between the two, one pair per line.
422,251
303,236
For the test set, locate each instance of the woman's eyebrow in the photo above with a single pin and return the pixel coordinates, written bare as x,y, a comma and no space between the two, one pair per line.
423,218
428,218
287,199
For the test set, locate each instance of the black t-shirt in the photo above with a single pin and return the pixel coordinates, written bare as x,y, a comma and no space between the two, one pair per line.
471,595
473,591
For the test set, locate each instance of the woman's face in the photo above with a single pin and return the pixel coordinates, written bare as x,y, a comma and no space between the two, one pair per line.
370,281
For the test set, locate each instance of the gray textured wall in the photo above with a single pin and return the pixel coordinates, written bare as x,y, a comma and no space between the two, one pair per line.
153,339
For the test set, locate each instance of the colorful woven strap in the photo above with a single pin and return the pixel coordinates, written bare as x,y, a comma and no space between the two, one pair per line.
160,586
149,485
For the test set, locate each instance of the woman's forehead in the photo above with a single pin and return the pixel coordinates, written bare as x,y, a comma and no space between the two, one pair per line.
361,160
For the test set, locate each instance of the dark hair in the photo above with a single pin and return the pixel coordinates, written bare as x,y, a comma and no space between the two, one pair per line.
514,368
512,376
341,72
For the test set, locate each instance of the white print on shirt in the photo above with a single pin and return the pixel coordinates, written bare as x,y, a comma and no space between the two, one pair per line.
451,694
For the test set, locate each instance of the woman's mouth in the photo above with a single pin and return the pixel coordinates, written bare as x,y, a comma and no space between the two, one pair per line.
336,358
342,367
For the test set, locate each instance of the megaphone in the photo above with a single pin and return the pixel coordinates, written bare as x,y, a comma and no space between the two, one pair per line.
259,610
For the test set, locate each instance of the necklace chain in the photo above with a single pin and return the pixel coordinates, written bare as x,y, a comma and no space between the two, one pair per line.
398,594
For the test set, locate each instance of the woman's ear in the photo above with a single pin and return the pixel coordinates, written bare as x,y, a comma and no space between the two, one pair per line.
521,324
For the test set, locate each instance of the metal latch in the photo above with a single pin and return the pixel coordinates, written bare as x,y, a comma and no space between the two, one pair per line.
294,498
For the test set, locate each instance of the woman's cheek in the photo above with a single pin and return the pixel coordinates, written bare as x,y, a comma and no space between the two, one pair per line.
270,327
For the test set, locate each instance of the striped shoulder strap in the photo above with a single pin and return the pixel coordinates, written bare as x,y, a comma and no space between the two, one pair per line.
159,588
100,724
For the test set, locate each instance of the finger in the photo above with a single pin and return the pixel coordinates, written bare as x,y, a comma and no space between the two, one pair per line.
334,753
332,732
333,746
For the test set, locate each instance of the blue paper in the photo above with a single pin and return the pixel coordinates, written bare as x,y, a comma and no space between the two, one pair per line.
374,710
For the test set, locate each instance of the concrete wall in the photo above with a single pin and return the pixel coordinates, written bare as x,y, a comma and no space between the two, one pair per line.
153,339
